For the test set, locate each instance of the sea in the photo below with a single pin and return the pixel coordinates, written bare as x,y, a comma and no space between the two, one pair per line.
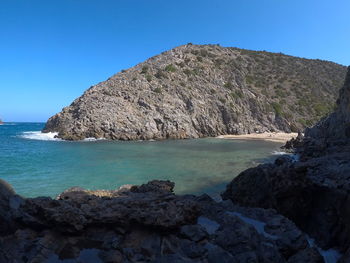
38,164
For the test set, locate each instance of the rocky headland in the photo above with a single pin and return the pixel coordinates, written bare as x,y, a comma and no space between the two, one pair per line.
313,192
196,91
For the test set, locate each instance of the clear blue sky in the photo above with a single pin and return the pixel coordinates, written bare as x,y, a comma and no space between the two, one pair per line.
52,50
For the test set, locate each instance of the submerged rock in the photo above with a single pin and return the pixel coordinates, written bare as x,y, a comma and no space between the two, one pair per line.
146,223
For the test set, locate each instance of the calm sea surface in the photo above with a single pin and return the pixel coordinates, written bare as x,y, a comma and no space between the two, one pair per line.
37,164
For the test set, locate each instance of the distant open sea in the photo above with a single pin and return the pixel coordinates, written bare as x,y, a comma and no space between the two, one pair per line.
36,164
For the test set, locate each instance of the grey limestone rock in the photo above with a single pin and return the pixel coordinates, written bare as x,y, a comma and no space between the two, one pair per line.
196,91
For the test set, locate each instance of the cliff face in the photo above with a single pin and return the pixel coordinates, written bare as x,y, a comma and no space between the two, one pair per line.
337,125
313,192
193,91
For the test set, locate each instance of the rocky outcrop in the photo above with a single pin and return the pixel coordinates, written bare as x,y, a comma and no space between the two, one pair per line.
194,91
336,127
313,192
145,223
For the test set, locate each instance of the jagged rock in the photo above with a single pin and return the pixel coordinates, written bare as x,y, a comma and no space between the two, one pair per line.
151,205
203,90
9,201
146,223
294,143
313,192
308,255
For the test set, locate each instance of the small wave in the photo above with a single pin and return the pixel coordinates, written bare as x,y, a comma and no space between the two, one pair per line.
38,135
8,124
295,157
92,139
279,153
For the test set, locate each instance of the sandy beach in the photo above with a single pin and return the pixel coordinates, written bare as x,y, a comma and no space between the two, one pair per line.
268,136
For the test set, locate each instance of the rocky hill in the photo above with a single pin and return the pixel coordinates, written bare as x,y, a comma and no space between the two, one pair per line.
204,90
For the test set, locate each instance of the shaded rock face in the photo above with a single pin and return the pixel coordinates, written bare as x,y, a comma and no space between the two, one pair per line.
145,223
337,125
194,91
313,192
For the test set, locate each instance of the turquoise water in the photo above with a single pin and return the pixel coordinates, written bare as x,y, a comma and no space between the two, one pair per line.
37,165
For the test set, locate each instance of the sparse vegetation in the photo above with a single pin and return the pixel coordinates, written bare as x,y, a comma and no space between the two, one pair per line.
223,100
148,77
158,90
160,75
237,94
228,85
170,68
244,87
144,69
277,108
187,71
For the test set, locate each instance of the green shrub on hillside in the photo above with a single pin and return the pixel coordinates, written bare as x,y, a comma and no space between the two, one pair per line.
236,94
277,108
228,85
170,68
158,90
144,69
249,79
148,77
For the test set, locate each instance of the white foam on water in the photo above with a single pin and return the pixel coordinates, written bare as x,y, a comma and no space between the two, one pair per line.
295,157
50,136
40,136
279,153
92,139
330,255
7,124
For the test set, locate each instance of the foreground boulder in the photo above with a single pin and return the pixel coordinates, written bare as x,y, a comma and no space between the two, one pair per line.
314,192
146,223
195,91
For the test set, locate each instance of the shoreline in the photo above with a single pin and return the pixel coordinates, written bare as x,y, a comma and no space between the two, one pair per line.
282,137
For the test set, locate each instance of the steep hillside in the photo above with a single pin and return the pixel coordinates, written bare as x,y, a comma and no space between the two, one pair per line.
194,91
